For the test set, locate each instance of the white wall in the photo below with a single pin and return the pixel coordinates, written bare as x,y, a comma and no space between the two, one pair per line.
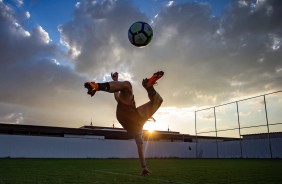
276,147
256,148
22,146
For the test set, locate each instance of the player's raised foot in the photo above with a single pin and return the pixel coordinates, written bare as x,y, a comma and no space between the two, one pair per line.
92,88
153,80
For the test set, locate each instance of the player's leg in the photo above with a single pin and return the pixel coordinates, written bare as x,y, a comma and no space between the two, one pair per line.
147,110
124,87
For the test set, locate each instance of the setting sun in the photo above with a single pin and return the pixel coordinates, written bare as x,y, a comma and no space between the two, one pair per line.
158,123
150,126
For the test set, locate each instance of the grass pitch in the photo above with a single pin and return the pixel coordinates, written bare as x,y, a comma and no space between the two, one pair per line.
179,171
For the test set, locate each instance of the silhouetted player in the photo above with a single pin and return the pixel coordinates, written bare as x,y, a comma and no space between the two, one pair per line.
132,118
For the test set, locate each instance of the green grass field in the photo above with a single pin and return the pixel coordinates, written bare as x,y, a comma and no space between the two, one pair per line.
121,171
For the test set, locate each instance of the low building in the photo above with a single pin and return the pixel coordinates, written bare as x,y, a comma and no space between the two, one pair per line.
102,133
262,135
32,141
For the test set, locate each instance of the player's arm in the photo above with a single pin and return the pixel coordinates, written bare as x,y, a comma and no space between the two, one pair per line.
115,78
116,94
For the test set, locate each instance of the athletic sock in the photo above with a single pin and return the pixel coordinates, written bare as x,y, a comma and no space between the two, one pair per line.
151,91
104,86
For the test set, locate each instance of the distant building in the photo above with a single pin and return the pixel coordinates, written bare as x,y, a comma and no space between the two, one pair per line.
102,133
262,135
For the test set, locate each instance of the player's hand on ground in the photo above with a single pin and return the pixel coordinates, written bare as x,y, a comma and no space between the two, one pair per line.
145,172
114,76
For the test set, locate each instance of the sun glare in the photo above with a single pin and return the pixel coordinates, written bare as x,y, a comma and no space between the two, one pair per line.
150,126
151,130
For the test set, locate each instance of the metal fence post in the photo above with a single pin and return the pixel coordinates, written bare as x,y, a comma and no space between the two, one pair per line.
215,132
269,142
196,134
238,116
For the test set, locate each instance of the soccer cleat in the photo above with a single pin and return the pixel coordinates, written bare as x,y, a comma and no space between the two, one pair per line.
153,80
92,88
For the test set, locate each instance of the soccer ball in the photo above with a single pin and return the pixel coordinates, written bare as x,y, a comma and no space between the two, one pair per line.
140,34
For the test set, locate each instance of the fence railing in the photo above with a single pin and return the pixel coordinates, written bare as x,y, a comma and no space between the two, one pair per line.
255,115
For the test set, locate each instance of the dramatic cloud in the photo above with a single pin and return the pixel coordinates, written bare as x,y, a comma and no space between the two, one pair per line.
31,83
207,59
97,36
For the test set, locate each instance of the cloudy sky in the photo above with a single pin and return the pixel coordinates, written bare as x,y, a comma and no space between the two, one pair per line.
212,52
